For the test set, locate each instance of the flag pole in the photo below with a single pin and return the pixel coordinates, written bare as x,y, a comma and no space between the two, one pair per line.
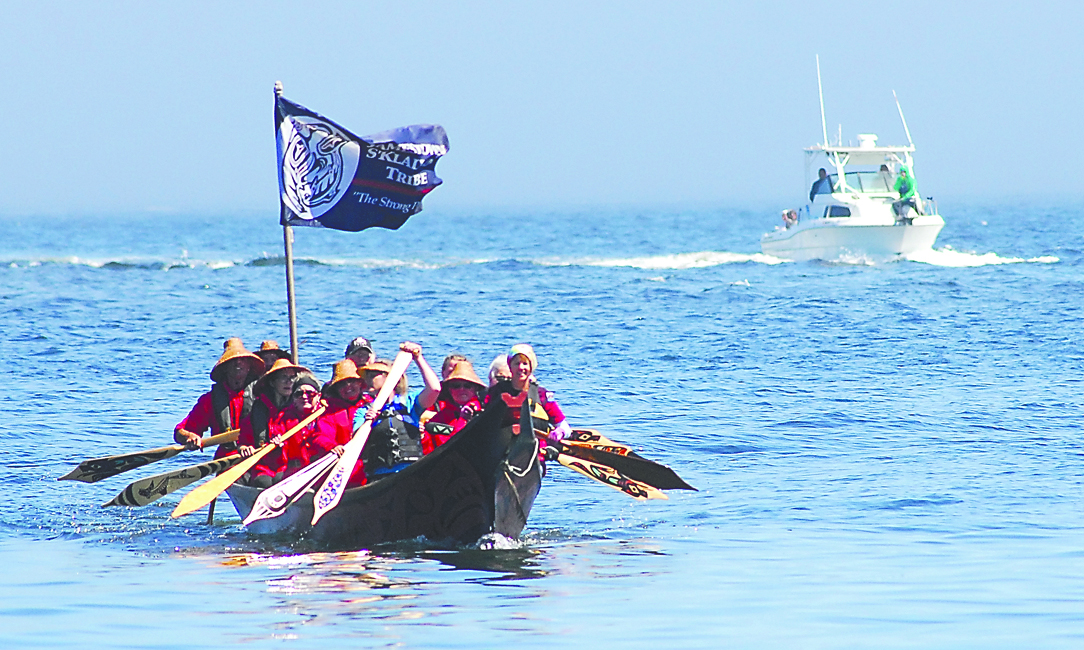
288,245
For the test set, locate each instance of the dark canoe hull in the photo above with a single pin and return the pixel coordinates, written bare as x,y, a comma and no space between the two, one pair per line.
483,480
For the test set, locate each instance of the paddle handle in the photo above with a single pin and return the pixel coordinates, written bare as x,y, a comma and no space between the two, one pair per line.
210,490
220,439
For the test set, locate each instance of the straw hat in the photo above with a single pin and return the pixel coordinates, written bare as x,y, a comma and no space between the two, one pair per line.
272,347
525,350
376,366
464,371
232,349
345,370
278,366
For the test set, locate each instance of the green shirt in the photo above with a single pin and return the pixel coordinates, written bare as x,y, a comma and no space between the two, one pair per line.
905,185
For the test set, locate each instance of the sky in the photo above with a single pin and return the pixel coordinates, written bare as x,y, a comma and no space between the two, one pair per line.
152,107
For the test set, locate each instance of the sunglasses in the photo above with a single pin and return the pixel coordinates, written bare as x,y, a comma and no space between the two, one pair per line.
308,394
459,385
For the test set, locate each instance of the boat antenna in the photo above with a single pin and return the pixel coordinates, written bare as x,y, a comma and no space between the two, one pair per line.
902,119
820,91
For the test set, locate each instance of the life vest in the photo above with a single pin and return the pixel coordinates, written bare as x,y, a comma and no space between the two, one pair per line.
223,417
392,440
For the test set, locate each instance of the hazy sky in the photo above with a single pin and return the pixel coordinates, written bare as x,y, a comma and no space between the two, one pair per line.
133,106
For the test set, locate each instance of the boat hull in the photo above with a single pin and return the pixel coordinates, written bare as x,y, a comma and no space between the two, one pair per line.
483,480
832,239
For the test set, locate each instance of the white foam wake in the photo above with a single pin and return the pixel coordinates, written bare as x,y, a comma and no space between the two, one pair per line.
948,257
675,261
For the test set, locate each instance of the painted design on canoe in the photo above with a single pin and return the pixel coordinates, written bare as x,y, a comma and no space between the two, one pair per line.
484,479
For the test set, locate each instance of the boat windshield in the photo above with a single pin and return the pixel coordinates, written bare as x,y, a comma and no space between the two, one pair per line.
867,182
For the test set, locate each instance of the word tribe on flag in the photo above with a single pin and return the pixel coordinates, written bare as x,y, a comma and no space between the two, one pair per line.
331,178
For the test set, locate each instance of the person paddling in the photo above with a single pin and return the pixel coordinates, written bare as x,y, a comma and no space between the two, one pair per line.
546,414
344,395
272,393
459,401
395,439
498,370
311,442
229,401
270,352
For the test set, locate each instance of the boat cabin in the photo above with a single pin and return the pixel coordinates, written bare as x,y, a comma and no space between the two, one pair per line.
859,179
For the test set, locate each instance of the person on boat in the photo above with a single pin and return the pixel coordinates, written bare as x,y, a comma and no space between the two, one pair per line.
498,370
272,392
460,400
790,218
311,442
360,351
395,438
229,401
270,352
346,390
449,363
343,395
546,414
823,184
905,185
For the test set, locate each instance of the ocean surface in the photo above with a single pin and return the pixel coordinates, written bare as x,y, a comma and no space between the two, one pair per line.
887,455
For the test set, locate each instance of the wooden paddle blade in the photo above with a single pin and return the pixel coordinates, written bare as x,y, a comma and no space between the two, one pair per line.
96,469
210,490
635,467
273,501
595,440
329,494
146,490
611,477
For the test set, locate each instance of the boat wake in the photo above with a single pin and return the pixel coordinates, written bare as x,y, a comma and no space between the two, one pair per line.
946,256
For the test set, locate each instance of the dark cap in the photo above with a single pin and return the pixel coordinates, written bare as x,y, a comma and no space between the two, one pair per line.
305,380
358,344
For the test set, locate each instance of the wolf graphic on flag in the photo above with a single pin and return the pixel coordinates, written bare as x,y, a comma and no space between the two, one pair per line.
331,178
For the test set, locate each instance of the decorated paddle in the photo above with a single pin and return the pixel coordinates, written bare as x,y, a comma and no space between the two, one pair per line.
146,490
634,467
327,497
595,440
210,490
96,469
610,476
273,501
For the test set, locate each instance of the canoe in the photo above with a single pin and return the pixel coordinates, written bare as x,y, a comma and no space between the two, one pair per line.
483,480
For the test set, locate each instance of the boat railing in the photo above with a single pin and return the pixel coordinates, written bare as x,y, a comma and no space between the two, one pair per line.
929,206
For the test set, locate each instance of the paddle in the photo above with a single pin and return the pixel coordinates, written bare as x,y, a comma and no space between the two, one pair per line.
610,476
633,467
273,501
96,469
146,490
210,490
327,497
595,440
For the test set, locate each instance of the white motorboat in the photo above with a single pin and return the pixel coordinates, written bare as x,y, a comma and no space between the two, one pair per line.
851,213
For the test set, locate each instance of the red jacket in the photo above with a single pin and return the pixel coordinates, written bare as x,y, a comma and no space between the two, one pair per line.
309,444
453,415
202,417
337,427
274,461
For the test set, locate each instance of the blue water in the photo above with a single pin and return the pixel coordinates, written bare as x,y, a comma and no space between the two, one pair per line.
887,454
